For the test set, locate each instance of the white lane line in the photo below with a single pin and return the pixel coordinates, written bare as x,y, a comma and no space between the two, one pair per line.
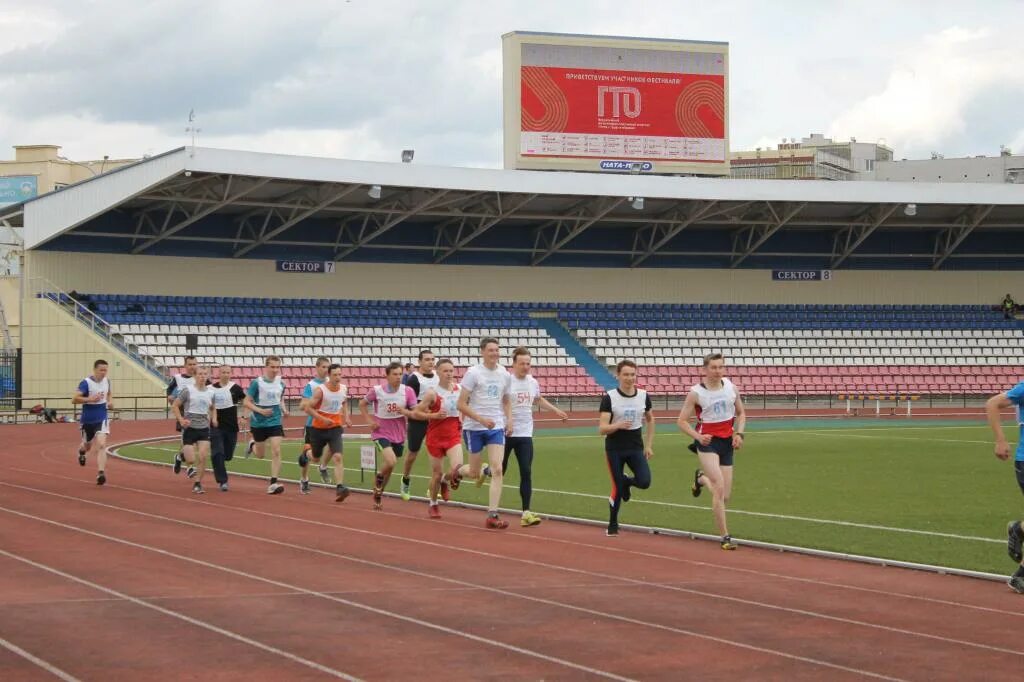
48,667
174,614
276,583
408,571
455,548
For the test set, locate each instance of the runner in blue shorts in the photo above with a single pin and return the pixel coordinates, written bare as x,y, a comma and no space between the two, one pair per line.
486,404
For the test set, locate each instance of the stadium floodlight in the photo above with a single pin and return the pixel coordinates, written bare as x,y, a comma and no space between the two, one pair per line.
910,209
374,192
637,203
407,155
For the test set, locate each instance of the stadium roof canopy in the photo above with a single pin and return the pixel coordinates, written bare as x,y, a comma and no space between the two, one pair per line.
231,204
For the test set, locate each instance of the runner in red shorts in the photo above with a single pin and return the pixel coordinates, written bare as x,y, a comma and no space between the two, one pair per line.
439,408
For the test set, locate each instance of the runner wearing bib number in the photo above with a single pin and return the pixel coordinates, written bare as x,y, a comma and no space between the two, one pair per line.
392,402
717,406
328,412
420,381
439,406
94,396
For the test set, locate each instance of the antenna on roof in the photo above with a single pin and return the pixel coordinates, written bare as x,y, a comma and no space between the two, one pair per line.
194,129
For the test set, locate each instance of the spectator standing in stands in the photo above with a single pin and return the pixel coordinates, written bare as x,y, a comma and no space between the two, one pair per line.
196,413
485,402
178,383
96,399
321,369
265,402
224,436
719,432
392,402
420,381
624,412
1015,529
525,392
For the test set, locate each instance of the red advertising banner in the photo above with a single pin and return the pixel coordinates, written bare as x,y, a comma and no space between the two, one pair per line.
623,103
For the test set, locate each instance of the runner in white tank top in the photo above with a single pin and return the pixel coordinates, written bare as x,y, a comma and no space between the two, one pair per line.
716,404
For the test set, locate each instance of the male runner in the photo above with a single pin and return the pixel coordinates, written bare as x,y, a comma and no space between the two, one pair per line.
174,386
625,411
328,408
420,381
96,399
322,364
440,407
196,413
1015,529
224,436
485,402
265,402
392,403
720,421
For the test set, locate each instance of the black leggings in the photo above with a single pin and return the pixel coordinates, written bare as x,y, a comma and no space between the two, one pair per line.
641,478
523,447
222,449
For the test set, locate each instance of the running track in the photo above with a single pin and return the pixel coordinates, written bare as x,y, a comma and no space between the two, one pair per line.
141,580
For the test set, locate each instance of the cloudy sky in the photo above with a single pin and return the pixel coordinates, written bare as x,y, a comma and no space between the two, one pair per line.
365,78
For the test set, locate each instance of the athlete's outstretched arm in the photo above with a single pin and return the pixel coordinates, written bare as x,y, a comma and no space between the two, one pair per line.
686,414
995,422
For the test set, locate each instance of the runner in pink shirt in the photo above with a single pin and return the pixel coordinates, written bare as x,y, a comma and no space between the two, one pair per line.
392,402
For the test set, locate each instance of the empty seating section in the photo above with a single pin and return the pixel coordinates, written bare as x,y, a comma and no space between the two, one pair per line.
816,350
770,349
364,336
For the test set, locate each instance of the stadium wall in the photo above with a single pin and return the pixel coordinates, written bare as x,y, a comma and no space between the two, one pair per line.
58,351
10,291
170,276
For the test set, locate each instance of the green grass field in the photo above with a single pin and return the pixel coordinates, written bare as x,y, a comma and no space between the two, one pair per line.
922,491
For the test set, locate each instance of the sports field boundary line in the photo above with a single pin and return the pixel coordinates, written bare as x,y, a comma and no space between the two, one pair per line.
112,451
658,503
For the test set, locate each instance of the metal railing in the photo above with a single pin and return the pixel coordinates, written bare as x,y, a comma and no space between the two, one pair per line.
44,288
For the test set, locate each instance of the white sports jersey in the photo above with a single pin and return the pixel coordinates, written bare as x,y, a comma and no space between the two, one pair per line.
426,383
631,409
449,399
222,399
523,391
182,382
269,393
716,409
332,401
487,388
198,402
390,405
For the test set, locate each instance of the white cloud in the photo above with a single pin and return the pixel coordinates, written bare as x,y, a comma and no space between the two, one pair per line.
930,88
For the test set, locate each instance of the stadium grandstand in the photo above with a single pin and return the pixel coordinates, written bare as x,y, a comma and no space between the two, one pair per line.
585,269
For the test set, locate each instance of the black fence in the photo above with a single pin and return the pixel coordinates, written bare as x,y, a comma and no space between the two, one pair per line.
10,379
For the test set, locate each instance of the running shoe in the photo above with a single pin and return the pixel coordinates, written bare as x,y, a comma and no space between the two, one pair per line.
178,459
325,475
275,489
1016,584
223,487
341,493
529,519
101,478
378,497
248,449
434,512
496,522
1013,541
81,456
304,487
613,530
727,543
197,488
696,488
446,493
481,478
406,495
626,492
455,478
190,472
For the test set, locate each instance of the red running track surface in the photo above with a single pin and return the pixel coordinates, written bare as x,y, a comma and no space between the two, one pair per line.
140,579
